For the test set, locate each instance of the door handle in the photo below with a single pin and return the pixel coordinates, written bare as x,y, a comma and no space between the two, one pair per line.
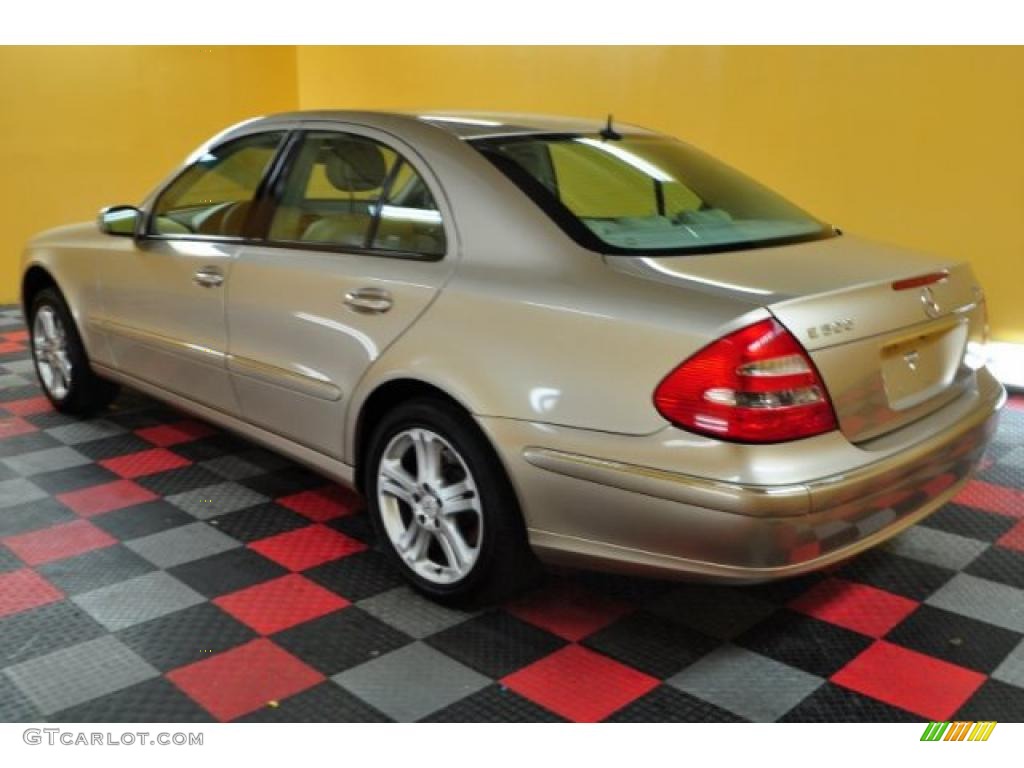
208,277
368,300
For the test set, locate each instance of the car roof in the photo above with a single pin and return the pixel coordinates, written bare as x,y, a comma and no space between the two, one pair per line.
466,125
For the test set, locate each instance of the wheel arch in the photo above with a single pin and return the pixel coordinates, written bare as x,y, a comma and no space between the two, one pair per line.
378,402
36,279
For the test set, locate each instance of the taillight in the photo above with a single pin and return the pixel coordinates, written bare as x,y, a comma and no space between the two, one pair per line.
756,385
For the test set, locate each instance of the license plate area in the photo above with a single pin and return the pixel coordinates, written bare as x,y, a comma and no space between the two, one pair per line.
919,367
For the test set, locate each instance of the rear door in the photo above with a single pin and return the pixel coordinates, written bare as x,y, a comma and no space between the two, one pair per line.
356,248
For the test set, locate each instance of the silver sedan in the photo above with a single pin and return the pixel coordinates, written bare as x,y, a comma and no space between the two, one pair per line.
531,339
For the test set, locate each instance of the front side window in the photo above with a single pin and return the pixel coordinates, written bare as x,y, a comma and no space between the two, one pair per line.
648,194
213,196
352,192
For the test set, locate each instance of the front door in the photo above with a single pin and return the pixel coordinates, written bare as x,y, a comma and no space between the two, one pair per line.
354,253
164,298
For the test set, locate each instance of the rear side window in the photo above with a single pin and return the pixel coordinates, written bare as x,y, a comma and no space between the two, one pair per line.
352,192
213,196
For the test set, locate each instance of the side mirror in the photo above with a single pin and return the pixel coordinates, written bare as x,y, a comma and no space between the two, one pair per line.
119,220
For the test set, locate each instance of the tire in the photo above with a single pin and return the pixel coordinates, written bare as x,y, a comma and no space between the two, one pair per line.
496,560
61,364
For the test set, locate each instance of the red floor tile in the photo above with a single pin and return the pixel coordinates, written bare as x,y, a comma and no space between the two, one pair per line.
6,347
166,435
23,590
1013,538
568,610
58,542
307,547
11,427
926,686
992,498
98,499
244,679
322,504
276,605
27,407
144,463
859,607
579,684
21,335
1015,402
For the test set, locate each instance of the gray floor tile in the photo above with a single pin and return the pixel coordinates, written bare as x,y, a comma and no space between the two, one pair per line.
48,460
13,380
19,491
1012,669
232,467
14,705
744,682
78,674
412,682
84,431
983,600
137,600
182,545
414,615
213,500
931,545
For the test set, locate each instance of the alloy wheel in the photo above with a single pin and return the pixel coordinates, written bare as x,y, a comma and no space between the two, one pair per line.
50,350
430,506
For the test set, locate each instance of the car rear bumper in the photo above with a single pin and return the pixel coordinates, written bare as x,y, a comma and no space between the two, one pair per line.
596,512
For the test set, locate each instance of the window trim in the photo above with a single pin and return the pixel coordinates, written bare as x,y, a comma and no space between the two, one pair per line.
576,230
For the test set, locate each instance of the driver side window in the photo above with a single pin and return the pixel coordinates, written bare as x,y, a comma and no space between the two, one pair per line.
213,196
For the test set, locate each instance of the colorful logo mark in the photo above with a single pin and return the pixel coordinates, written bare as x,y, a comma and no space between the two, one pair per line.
958,731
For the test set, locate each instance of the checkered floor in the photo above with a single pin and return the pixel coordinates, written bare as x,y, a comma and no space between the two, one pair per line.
155,569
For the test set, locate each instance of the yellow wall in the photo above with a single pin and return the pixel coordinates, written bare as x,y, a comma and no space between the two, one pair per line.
918,146
923,147
85,127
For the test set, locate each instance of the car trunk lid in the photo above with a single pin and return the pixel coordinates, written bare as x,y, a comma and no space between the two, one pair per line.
888,330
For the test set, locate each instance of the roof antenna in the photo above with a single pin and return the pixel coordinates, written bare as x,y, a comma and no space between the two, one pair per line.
608,132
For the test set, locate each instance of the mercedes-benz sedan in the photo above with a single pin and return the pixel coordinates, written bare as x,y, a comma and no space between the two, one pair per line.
531,337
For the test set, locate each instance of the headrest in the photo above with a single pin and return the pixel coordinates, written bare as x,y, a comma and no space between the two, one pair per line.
352,165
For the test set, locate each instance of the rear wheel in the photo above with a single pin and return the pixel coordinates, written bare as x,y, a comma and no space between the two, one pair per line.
60,360
444,507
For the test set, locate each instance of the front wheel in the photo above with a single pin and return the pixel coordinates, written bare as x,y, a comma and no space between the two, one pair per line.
60,360
441,501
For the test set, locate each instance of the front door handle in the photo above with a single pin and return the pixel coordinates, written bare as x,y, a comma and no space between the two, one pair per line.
208,277
368,300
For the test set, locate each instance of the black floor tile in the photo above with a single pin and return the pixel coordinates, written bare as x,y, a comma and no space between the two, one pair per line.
999,564
142,520
185,636
259,522
957,639
323,703
994,700
831,703
893,573
357,576
653,645
970,522
340,640
227,572
804,642
152,701
73,479
667,705
495,643
33,516
179,480
495,703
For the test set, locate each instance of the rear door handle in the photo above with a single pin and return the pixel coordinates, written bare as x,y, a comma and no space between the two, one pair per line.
368,300
208,277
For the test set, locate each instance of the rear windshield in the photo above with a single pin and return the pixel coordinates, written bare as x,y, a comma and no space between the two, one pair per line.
648,194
